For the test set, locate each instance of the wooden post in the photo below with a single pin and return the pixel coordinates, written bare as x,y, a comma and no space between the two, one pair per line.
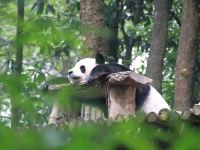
121,100
121,90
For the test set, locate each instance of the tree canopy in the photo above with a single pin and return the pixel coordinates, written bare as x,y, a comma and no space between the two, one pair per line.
41,39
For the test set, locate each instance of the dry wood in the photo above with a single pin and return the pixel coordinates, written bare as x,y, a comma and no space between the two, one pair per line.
152,117
121,89
164,114
121,100
190,117
186,113
55,87
89,112
161,120
128,78
55,114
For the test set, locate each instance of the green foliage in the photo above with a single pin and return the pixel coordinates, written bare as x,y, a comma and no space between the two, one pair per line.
52,42
22,92
131,134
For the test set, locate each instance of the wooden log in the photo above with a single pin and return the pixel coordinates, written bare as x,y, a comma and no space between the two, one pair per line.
164,114
55,115
89,112
56,87
186,113
129,78
157,120
87,95
152,117
190,117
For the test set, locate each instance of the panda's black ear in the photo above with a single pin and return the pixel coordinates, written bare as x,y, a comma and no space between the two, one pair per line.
100,59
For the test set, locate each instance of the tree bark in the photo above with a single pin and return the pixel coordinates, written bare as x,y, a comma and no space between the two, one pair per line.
158,43
92,17
19,38
113,42
15,110
186,56
113,45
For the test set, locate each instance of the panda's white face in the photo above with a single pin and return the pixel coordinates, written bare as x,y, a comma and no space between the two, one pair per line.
79,74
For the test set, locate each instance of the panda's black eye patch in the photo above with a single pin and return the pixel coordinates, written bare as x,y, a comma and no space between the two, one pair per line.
82,68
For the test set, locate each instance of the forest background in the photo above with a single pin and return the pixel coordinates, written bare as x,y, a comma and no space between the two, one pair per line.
42,39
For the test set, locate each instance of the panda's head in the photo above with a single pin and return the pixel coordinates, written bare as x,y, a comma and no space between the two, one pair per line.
80,73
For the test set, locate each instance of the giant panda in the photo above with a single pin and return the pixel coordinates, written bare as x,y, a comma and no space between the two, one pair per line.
89,70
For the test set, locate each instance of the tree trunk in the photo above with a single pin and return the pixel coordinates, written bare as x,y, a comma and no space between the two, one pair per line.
158,43
92,17
113,42
186,56
19,39
19,57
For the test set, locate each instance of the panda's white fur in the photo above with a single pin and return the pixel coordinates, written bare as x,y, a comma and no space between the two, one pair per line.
76,76
154,102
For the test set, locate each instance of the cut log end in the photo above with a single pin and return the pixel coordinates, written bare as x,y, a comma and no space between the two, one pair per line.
152,117
186,113
164,114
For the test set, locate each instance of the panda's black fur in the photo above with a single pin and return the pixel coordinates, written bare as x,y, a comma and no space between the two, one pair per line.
141,94
100,72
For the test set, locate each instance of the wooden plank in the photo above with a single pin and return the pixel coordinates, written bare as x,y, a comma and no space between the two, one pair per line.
128,77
